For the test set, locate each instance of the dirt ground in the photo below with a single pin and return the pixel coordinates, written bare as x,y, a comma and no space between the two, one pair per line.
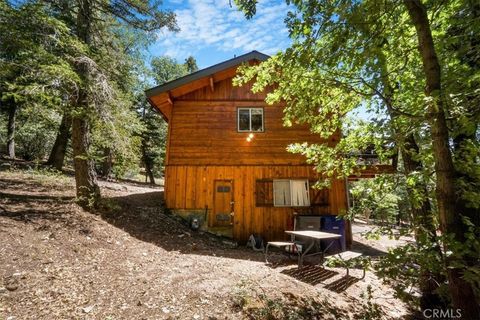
133,260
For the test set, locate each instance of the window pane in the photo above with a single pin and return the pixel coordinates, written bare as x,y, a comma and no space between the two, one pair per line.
300,193
243,120
281,193
223,189
257,119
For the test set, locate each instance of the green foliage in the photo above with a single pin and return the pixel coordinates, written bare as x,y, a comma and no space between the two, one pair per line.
370,309
255,303
361,57
46,176
39,57
154,135
166,68
380,198
36,50
154,139
36,74
403,267
191,64
36,133
249,7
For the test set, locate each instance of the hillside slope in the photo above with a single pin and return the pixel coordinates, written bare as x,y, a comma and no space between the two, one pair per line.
132,260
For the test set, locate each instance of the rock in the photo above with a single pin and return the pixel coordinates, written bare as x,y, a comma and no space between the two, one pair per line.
3,289
11,283
231,244
87,309
12,286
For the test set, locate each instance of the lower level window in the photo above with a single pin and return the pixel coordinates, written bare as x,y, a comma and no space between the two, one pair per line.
291,193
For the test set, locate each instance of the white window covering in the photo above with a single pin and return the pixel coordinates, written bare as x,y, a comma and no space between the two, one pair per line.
293,193
281,193
300,194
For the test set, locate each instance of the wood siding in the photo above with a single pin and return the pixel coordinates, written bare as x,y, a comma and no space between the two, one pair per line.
204,146
204,130
192,187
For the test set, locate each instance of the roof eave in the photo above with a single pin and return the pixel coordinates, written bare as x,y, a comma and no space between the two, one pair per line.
254,55
157,109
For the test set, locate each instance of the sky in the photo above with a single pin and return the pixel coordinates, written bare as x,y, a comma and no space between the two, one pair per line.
212,31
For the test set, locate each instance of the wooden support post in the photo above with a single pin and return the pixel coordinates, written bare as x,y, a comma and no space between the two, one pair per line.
169,99
212,87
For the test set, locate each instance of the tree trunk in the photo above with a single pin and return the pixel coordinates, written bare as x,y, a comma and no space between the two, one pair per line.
461,291
423,218
422,215
146,159
12,115
88,192
57,155
148,164
148,169
106,163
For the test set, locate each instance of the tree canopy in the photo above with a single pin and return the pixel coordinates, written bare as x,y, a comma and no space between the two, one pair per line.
72,74
400,66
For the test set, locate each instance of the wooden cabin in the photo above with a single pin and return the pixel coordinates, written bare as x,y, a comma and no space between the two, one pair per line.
226,163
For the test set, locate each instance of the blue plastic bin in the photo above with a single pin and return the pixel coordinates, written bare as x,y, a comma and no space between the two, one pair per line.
333,225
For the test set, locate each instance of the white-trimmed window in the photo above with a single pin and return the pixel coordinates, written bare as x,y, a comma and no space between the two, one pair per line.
250,119
291,193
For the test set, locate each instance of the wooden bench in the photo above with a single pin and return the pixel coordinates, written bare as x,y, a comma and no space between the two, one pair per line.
282,245
345,257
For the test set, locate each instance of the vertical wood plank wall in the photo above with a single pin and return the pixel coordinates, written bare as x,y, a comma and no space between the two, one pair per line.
204,145
192,187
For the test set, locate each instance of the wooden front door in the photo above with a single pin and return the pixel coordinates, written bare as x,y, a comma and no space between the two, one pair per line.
223,199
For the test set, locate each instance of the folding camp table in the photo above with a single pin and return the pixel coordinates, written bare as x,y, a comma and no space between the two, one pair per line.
313,237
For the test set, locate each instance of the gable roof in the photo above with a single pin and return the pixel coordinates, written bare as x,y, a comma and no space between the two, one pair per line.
254,55
160,97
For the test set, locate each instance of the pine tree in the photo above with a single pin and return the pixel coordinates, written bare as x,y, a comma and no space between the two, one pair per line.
95,90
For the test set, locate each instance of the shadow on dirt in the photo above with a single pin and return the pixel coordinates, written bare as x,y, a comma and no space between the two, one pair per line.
341,284
33,208
367,250
310,274
142,215
30,197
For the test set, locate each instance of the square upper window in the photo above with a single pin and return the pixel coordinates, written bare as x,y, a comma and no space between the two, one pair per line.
250,120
